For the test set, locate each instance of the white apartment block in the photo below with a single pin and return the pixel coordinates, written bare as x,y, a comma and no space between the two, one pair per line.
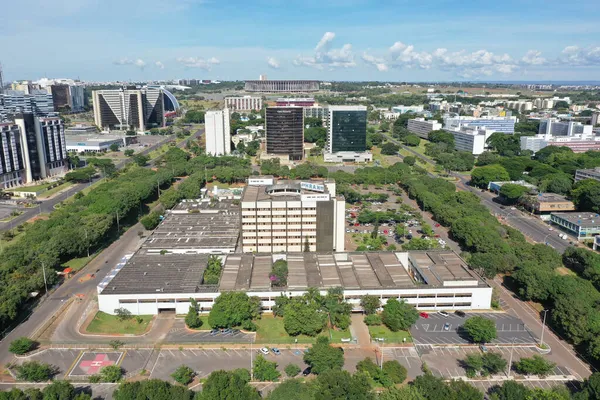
495,124
244,103
291,215
520,106
470,138
554,127
217,132
422,127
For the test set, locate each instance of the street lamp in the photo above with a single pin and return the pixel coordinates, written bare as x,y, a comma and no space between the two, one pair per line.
251,358
381,350
543,328
512,348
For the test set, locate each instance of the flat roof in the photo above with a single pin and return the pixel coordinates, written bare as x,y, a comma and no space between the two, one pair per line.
282,190
146,273
582,219
550,198
201,225
182,273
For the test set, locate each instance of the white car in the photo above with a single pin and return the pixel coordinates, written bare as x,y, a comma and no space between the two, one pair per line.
443,314
264,350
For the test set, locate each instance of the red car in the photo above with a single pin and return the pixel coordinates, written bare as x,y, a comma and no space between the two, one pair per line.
437,225
424,315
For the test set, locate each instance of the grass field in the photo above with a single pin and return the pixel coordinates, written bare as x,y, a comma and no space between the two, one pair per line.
55,190
337,336
37,188
109,324
381,331
270,330
78,263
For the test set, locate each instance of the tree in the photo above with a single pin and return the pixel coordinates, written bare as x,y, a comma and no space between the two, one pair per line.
141,159
128,152
510,390
151,220
192,319
482,176
114,147
512,192
322,357
395,371
410,160
586,195
59,390
34,371
111,373
464,391
398,315
390,149
230,309
412,140
225,385
212,273
292,389
403,393
485,364
441,136
265,370
431,387
21,345
122,314
302,316
370,303
153,389
535,365
479,329
340,385
279,273
291,370
183,374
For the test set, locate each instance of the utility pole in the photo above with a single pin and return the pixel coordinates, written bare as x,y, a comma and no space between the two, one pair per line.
87,242
118,227
44,273
512,348
543,328
251,359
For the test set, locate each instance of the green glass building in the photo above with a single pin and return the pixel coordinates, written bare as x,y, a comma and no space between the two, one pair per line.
347,129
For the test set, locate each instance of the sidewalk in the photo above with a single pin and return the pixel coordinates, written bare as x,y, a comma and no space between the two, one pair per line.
360,330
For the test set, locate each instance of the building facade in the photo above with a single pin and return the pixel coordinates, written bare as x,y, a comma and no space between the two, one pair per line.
494,124
217,132
285,131
295,102
405,109
422,127
577,143
12,167
69,97
43,146
244,103
274,86
470,138
37,102
291,216
347,129
592,173
125,109
584,226
553,127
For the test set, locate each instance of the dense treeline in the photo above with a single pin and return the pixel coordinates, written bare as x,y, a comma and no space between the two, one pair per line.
91,221
494,248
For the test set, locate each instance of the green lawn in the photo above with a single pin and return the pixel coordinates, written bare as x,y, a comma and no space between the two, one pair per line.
109,324
78,263
270,330
205,325
37,188
381,331
337,336
55,190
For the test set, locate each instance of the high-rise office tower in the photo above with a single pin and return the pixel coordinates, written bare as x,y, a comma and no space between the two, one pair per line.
347,129
43,146
12,167
13,102
67,97
285,131
123,109
217,132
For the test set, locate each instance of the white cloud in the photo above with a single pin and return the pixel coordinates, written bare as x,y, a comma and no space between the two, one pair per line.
197,62
160,65
379,63
533,57
127,61
326,57
273,63
574,55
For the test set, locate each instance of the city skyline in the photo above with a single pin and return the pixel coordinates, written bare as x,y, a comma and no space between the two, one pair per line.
352,40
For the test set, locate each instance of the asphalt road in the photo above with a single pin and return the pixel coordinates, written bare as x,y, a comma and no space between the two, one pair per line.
530,226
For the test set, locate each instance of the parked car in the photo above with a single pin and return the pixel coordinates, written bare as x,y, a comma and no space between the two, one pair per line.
214,332
460,313
306,372
424,315
264,351
437,225
275,351
443,313
447,326
483,348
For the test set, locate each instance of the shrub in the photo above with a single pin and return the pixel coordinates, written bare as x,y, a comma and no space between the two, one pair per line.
536,365
21,345
373,319
112,373
249,326
395,371
292,370
183,374
35,371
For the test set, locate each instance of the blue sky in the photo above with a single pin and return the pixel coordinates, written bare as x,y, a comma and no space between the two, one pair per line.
310,39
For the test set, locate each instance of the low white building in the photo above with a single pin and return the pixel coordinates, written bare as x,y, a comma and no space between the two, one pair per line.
421,127
348,156
405,109
430,280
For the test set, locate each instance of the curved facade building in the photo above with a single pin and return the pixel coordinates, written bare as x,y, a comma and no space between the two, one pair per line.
169,101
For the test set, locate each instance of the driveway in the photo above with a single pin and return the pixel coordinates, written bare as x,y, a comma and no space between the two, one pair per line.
432,330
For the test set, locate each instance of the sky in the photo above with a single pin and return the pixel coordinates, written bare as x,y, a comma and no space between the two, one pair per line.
361,40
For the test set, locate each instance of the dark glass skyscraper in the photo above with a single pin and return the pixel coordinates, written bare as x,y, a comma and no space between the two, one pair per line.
285,131
347,129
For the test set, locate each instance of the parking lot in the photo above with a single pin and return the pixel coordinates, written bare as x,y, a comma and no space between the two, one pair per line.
406,356
432,330
179,334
